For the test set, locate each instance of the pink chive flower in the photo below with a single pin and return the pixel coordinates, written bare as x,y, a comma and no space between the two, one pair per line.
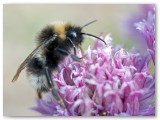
107,82
147,29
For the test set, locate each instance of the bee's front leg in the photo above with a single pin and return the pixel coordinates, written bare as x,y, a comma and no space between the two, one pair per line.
65,52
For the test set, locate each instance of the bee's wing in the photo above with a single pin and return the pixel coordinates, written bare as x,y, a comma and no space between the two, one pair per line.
28,59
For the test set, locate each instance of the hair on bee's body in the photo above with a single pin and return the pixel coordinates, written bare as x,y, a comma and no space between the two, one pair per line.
54,43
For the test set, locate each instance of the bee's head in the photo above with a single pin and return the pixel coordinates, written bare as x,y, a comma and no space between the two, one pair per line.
74,34
68,32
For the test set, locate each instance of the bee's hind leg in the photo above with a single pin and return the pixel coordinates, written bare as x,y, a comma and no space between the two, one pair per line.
39,94
53,86
48,73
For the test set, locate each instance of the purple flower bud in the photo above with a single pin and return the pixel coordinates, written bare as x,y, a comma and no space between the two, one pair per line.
147,28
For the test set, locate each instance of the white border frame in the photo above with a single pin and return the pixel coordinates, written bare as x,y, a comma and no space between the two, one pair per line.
157,117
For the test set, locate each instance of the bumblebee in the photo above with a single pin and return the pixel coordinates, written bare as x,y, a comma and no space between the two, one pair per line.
55,42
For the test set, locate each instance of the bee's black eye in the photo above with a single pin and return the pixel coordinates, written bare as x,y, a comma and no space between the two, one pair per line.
72,34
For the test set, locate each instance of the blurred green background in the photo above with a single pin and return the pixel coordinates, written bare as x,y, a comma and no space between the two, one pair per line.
22,22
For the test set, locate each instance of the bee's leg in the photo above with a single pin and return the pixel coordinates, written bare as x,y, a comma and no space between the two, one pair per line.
39,94
57,97
50,83
74,57
74,47
55,94
47,72
75,52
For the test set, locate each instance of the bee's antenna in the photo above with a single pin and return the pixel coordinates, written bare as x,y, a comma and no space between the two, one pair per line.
94,37
88,23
